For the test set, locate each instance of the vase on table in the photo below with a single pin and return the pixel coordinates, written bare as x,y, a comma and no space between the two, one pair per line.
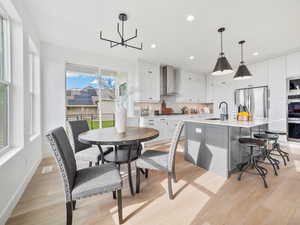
121,118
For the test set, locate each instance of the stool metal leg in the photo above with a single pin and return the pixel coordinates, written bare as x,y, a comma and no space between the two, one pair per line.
261,171
284,155
243,169
273,165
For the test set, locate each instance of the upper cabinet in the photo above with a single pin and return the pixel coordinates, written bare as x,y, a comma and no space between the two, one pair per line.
209,88
278,100
277,78
148,82
293,65
191,88
259,73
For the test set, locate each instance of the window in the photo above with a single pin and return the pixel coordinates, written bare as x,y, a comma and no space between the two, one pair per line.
90,96
4,83
33,70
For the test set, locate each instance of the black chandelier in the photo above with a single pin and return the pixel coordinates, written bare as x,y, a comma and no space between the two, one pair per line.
122,17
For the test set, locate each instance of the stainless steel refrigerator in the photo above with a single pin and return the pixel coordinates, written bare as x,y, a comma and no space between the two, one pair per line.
254,100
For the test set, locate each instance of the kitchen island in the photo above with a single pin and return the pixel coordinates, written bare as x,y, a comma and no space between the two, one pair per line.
214,144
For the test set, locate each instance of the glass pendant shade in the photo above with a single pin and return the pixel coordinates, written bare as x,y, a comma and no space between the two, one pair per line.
242,72
222,66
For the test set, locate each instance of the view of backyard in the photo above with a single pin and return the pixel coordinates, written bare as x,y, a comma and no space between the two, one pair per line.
82,98
105,123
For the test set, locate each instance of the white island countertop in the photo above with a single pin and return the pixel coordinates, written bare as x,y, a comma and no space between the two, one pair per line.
229,123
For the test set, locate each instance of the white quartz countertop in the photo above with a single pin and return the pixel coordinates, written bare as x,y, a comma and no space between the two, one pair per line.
229,123
179,116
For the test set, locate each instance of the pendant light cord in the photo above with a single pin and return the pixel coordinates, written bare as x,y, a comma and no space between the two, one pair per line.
222,53
242,54
242,50
221,30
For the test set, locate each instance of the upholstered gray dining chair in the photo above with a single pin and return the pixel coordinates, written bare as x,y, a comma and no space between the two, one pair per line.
84,152
83,182
157,160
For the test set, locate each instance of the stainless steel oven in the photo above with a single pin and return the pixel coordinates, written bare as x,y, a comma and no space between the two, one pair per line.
294,131
294,118
294,110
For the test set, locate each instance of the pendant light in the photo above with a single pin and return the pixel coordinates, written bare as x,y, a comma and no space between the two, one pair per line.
222,66
242,72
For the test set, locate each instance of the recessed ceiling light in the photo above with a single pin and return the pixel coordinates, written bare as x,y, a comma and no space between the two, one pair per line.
190,18
153,46
192,57
255,53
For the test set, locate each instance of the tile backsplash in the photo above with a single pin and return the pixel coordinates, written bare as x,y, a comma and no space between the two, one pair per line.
171,103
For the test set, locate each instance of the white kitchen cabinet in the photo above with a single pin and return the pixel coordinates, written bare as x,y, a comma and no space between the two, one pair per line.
259,77
191,88
165,125
277,88
148,82
159,124
209,88
293,65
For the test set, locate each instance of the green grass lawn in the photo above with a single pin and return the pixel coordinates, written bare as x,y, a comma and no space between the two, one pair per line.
105,123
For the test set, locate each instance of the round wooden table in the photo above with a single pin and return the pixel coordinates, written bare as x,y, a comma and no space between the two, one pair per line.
133,136
110,136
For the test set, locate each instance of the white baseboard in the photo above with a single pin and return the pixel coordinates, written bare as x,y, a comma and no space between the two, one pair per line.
6,212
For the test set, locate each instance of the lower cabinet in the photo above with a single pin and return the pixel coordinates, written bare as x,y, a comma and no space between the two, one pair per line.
165,126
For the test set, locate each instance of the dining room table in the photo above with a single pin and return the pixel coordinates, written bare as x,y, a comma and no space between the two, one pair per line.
127,145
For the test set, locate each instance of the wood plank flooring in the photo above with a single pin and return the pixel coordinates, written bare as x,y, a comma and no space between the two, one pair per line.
202,198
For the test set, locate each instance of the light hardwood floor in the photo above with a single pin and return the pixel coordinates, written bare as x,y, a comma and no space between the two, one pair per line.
202,198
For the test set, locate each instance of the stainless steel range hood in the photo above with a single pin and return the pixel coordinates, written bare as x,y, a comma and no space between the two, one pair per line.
168,81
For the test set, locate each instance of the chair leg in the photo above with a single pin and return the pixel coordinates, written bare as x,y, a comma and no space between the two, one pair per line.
273,164
146,173
120,207
138,180
174,177
114,195
243,168
130,179
284,153
170,185
69,213
90,163
74,205
282,156
261,171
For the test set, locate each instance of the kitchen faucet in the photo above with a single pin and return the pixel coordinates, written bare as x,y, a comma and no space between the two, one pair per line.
224,116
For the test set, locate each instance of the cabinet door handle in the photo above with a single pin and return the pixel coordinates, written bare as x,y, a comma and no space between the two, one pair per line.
150,98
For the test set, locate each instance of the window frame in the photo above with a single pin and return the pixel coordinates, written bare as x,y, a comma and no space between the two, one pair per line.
33,59
6,80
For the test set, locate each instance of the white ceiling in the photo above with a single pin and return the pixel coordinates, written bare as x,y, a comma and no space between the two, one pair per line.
270,27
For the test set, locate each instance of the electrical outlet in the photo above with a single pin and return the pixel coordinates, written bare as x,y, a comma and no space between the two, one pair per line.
198,130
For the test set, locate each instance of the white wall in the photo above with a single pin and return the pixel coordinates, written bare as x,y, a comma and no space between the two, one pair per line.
54,59
20,161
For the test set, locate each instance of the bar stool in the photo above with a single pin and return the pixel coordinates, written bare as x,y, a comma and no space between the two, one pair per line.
267,155
254,155
276,146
